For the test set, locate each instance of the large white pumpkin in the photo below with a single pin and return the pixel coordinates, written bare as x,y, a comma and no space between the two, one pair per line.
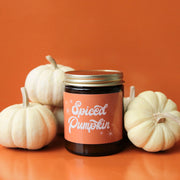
153,122
44,84
27,125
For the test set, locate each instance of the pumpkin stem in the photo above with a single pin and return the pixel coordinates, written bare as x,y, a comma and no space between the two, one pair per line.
25,97
132,92
161,120
52,61
161,117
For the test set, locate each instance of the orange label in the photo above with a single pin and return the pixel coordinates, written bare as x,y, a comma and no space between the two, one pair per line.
93,118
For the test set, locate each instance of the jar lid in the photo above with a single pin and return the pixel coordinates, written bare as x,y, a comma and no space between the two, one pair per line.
94,78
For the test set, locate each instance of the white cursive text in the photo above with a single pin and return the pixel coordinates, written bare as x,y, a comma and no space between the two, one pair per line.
91,125
97,110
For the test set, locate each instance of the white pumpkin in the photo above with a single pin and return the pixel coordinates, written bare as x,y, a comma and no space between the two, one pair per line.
153,122
59,115
127,100
27,125
44,84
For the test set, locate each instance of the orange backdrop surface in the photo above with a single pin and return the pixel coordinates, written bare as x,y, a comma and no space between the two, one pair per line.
140,38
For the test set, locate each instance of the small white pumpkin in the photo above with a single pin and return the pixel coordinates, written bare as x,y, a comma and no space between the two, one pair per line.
153,122
127,100
44,84
59,115
28,125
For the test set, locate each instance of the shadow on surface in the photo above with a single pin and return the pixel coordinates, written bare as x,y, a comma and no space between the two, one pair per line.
57,143
130,147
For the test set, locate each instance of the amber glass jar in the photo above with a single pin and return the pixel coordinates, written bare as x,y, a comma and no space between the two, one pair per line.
93,112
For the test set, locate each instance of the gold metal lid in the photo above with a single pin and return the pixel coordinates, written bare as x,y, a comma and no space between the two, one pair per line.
94,78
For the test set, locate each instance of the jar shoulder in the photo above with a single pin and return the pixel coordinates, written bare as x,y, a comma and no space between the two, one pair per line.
93,90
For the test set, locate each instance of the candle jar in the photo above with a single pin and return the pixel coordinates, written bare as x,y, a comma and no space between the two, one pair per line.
93,112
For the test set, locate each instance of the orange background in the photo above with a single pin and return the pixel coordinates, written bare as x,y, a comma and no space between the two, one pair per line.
140,38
